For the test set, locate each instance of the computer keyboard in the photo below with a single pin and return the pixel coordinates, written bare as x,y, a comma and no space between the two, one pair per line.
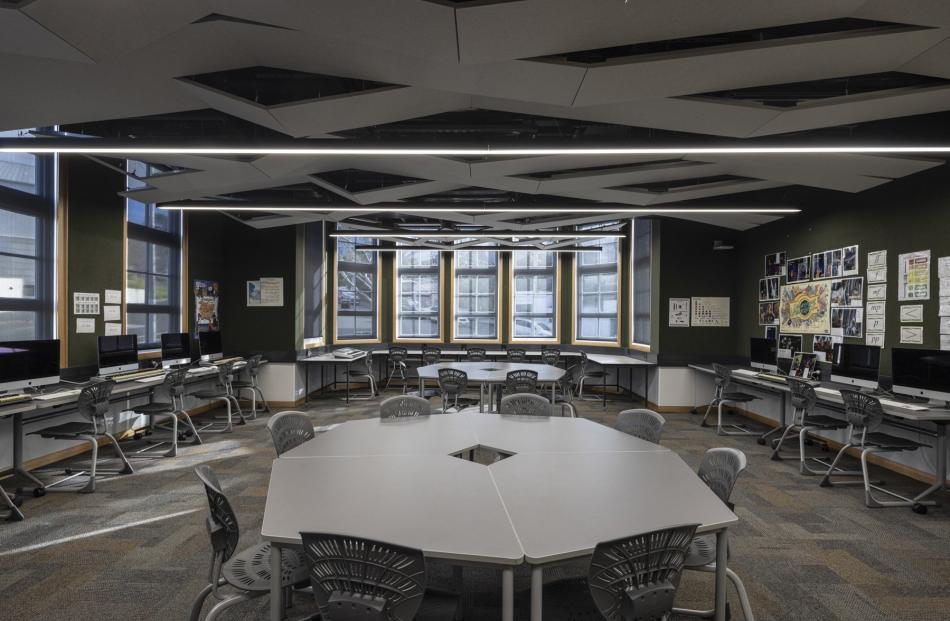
201,370
136,375
828,391
152,379
906,406
746,372
16,398
60,394
772,377
227,360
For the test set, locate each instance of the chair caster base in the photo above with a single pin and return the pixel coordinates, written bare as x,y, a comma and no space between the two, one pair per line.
39,492
919,509
776,457
760,441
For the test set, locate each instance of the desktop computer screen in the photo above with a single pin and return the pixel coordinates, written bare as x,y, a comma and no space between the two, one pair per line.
25,364
857,365
763,354
118,354
176,348
921,372
209,345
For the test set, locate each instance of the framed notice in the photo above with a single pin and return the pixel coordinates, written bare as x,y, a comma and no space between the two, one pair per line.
710,312
913,276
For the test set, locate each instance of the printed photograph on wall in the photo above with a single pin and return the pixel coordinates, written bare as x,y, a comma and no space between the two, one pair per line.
823,346
849,261
847,322
206,305
768,313
768,288
798,270
789,345
775,264
805,308
821,265
837,262
847,292
771,332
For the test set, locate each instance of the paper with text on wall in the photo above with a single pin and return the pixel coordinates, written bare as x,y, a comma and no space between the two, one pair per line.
912,335
875,339
113,329
876,309
877,291
679,312
710,312
912,313
913,276
113,296
85,325
877,259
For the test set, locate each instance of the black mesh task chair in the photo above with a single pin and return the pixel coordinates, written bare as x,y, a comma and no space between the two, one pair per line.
222,392
864,415
289,430
719,470
397,366
253,368
803,400
525,404
361,579
248,572
516,354
404,406
640,423
173,409
452,383
93,406
550,355
476,354
521,380
722,396
633,578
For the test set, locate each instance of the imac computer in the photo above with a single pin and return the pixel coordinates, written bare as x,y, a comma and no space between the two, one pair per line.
118,354
176,349
209,346
857,365
763,354
28,364
921,372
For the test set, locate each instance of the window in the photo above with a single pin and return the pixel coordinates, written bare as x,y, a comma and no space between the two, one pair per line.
476,296
26,245
153,267
597,278
357,296
418,295
534,277
641,257
314,288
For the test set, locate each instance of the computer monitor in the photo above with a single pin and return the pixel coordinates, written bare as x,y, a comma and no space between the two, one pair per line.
176,349
857,365
921,372
763,354
27,364
209,345
803,365
118,354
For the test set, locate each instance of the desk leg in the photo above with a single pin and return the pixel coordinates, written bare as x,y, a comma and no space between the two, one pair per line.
722,538
537,589
306,383
347,369
18,467
276,592
940,473
507,594
604,387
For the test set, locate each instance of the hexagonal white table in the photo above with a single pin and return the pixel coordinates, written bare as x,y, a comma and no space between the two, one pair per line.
570,484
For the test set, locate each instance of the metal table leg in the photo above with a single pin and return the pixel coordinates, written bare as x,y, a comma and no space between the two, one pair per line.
306,383
537,589
276,592
347,370
604,387
940,472
722,538
507,594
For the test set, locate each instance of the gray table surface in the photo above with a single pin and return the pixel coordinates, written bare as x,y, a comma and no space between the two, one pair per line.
615,360
494,372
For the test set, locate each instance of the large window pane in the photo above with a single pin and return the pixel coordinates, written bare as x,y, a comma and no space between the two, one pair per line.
356,291
596,295
417,288
534,294
476,295
19,171
642,258
19,325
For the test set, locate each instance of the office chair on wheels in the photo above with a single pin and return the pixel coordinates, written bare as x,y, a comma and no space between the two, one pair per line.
723,396
803,400
93,405
173,410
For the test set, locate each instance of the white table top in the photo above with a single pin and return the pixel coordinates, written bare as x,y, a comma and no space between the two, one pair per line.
552,434
447,507
329,357
488,371
614,360
563,504
488,352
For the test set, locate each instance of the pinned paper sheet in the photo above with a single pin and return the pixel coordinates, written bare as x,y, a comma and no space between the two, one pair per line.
912,335
113,329
111,313
945,342
113,296
877,259
943,267
945,325
912,313
85,303
878,291
875,324
876,309
85,325
875,339
679,312
877,275
944,307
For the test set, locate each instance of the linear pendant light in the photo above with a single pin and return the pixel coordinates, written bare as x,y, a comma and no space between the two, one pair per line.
366,248
478,235
579,210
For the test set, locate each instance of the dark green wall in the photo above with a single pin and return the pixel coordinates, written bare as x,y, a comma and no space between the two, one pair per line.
206,254
901,216
94,254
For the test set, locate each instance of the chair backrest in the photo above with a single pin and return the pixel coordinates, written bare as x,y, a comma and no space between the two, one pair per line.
175,382
93,401
635,578
525,404
516,354
452,382
550,355
398,353
363,579
723,375
803,395
290,429
719,470
476,354
253,365
225,375
521,380
641,423
402,406
431,355
222,520
861,410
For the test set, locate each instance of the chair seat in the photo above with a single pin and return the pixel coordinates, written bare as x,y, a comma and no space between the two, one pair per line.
250,568
565,600
76,428
738,397
157,407
209,394
885,441
702,551
825,422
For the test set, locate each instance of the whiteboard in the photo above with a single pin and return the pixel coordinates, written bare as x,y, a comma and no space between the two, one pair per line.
710,312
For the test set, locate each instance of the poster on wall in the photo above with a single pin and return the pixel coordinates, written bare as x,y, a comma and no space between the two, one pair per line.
847,292
849,261
877,291
771,333
775,264
789,345
253,293
823,346
710,312
206,305
768,313
847,322
805,308
821,265
272,291
768,288
679,312
798,269
913,276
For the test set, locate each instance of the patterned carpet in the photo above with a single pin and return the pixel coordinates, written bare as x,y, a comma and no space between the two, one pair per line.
138,548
